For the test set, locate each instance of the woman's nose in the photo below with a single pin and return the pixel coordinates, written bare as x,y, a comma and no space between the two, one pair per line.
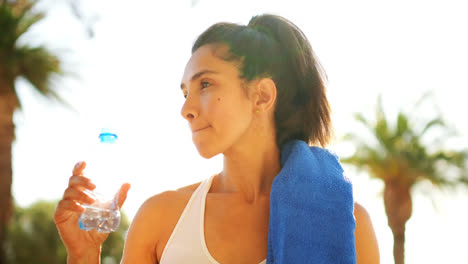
189,110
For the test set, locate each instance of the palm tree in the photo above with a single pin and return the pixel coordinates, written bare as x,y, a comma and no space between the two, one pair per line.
401,160
38,66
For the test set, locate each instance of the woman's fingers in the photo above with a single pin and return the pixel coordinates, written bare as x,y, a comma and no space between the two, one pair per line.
70,205
79,167
80,181
79,184
123,193
66,209
74,194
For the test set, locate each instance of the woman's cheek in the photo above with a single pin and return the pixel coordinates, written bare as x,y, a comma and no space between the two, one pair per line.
212,105
216,106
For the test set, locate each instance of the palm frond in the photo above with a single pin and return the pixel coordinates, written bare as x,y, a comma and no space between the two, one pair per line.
421,100
381,121
401,155
39,67
8,24
434,122
383,132
464,179
27,22
402,125
359,117
356,139
456,158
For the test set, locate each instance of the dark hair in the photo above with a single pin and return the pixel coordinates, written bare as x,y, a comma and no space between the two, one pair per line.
272,46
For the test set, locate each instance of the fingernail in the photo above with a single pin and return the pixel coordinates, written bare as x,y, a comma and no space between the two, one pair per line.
78,165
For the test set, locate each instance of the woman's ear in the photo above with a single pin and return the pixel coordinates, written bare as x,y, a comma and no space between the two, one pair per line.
265,95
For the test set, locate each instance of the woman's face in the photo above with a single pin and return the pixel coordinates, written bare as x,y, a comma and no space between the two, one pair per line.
217,109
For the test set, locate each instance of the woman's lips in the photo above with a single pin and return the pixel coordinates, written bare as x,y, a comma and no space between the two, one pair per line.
199,129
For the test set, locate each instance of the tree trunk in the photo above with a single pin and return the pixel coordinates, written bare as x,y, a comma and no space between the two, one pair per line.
8,104
399,247
398,206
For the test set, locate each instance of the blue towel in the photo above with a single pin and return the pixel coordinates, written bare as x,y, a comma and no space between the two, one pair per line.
311,209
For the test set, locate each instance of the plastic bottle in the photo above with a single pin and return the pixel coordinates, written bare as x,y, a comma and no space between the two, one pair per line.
102,167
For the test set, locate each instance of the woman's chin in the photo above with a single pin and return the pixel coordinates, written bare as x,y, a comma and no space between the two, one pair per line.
206,154
205,150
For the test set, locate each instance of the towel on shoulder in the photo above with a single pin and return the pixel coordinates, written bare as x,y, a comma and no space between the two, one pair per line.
311,209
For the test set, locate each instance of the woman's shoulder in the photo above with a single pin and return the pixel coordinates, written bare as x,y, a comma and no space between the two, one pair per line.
360,211
168,200
153,223
367,248
189,188
162,207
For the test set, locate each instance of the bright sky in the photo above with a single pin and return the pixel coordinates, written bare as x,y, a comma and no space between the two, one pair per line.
129,76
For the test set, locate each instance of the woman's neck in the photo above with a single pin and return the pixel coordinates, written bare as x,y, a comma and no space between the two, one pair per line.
249,170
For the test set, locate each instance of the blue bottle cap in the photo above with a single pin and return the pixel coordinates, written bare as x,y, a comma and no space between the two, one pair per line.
107,136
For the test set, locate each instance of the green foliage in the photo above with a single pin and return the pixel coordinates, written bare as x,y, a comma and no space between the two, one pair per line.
33,238
16,18
37,65
401,154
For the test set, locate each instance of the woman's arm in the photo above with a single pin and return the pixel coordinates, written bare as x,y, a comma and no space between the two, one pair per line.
93,255
82,246
144,232
367,249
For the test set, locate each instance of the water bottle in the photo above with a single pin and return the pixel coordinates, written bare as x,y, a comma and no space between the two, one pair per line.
102,167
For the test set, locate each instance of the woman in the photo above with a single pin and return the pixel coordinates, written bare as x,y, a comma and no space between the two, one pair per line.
249,90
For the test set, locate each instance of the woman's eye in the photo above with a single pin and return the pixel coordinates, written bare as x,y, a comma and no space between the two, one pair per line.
205,84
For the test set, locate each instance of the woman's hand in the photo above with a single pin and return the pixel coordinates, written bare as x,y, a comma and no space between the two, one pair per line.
80,244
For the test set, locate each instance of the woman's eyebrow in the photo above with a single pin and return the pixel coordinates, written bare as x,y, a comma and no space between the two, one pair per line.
198,75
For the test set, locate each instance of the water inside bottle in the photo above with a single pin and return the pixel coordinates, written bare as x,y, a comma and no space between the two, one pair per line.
103,220
103,215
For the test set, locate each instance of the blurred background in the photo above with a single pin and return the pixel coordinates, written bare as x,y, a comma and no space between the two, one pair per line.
122,63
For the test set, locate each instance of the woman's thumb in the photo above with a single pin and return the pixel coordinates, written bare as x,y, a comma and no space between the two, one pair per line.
123,193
